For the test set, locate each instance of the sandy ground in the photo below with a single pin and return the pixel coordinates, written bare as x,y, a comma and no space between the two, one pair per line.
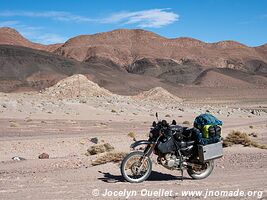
31,124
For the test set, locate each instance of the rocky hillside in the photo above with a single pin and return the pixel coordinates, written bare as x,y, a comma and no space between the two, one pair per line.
131,61
127,47
10,36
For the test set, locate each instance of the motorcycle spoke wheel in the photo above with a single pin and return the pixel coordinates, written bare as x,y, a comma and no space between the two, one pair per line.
135,168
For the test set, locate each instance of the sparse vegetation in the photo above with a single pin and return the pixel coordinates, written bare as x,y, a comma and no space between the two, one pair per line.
13,124
113,111
109,157
237,137
251,127
186,122
101,148
28,119
132,135
167,115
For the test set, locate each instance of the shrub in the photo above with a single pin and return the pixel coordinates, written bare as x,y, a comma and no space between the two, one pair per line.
237,137
109,157
13,124
101,148
28,119
132,135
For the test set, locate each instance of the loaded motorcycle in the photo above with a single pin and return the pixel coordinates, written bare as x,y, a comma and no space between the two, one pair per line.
176,147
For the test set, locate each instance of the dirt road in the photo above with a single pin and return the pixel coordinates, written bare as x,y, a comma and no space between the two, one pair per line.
68,173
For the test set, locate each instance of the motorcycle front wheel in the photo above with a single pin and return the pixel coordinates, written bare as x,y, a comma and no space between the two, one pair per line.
201,172
136,168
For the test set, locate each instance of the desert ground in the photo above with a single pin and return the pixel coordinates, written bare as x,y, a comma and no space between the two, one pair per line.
61,121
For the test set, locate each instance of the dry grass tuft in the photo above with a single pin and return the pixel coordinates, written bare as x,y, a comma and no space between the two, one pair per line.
237,137
109,157
167,115
100,148
14,124
132,135
28,119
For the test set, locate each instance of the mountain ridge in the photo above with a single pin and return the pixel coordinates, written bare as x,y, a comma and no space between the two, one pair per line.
130,61
10,36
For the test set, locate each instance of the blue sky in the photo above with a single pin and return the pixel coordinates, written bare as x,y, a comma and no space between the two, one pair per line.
52,21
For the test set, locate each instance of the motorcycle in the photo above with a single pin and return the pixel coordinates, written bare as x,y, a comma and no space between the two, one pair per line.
176,148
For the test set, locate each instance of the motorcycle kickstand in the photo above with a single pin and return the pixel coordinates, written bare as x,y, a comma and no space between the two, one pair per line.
182,174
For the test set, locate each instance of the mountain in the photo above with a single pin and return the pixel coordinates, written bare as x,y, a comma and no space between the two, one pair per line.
125,47
30,69
10,36
24,68
130,61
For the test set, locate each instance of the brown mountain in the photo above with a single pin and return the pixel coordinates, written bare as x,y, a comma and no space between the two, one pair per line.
130,61
23,68
125,47
10,36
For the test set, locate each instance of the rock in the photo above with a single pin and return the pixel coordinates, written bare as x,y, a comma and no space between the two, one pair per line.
94,140
17,158
253,134
43,156
255,112
83,101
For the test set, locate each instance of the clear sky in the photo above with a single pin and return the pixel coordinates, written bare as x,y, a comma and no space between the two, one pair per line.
52,21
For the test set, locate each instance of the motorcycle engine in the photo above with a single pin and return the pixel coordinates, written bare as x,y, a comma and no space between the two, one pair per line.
169,161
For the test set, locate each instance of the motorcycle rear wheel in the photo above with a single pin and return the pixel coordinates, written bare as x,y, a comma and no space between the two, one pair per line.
202,173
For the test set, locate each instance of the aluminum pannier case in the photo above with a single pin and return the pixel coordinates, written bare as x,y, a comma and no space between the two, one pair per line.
210,151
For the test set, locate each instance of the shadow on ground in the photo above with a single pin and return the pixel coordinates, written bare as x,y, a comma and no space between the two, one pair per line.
154,176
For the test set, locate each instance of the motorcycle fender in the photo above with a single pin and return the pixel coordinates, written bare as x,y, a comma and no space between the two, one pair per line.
141,142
